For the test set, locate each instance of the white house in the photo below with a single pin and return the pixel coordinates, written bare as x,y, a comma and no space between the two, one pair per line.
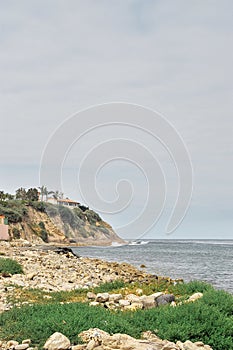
66,202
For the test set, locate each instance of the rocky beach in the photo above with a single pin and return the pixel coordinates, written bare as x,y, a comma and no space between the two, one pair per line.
54,269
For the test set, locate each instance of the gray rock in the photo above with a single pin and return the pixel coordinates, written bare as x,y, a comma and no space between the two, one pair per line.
165,299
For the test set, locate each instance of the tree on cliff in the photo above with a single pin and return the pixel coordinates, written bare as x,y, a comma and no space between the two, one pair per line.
44,192
2,196
21,193
32,194
57,194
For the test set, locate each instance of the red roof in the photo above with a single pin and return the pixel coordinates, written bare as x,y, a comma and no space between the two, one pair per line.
67,201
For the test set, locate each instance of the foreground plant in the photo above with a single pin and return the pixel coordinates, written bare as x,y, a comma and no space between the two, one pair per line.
9,266
209,319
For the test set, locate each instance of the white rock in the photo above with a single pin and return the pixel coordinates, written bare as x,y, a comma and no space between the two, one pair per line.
94,303
102,297
156,295
91,345
57,341
195,297
22,346
115,297
132,298
11,343
134,306
91,295
148,301
124,302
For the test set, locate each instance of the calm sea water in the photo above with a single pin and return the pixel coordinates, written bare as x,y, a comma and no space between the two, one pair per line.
206,260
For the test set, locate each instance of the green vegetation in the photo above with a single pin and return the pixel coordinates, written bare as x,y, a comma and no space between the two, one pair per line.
51,210
92,216
14,210
209,319
43,233
39,206
9,266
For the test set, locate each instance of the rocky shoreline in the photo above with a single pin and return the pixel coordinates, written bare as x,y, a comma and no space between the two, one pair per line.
53,269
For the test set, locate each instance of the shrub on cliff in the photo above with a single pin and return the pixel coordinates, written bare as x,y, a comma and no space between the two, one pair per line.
92,216
14,210
66,214
51,209
12,215
9,266
39,206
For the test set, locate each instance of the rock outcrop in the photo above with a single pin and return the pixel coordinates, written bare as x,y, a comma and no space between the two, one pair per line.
59,225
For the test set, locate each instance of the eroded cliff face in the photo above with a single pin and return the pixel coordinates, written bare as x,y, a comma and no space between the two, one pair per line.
63,226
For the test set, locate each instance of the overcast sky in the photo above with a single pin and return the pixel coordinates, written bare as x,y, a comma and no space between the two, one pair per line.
175,57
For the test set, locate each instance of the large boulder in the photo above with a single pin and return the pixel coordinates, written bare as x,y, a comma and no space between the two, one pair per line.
165,299
148,302
57,341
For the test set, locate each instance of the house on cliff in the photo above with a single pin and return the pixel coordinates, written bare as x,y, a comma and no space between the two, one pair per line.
65,202
4,234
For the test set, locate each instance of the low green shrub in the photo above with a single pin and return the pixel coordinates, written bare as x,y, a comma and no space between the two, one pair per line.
12,215
9,266
44,235
92,216
51,209
39,206
110,286
67,215
79,213
14,210
209,319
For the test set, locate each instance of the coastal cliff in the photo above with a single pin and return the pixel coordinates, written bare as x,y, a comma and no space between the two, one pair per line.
39,222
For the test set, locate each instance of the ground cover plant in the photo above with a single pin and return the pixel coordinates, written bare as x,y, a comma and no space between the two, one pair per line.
9,266
210,319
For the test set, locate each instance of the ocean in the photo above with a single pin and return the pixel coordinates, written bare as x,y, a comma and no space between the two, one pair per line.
205,260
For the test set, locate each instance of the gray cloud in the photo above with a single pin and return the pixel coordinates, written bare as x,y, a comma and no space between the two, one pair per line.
175,56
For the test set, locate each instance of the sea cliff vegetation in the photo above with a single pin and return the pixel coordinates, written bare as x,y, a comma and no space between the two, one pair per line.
31,217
